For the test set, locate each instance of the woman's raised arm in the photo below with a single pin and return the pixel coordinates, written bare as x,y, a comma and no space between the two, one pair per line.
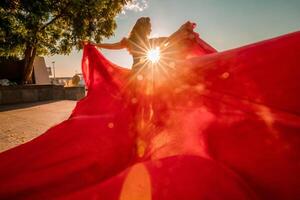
113,46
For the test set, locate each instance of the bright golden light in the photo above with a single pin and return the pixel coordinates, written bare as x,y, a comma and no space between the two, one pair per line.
137,185
153,55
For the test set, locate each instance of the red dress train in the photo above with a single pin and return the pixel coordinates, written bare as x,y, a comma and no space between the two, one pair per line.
224,126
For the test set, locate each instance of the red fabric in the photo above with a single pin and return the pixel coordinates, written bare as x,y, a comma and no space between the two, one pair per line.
220,126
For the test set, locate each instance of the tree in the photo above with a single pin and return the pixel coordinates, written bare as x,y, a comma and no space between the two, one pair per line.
47,27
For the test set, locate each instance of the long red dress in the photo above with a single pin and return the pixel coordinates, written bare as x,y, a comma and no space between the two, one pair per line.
223,126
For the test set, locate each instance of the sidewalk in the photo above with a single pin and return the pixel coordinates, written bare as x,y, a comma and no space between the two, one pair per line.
23,122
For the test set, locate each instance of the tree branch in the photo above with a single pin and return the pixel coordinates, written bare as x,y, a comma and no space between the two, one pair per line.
56,17
51,22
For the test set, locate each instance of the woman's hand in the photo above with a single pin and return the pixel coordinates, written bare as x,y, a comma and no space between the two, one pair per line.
85,42
184,32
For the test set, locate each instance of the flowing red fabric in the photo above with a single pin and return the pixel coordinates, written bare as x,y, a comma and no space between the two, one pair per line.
220,126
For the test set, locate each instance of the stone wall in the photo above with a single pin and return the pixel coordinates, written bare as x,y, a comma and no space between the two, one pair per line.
33,93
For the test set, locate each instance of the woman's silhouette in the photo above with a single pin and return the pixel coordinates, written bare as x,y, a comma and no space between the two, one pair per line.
138,43
142,83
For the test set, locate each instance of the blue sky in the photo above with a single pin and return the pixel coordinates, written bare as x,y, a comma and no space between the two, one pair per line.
225,24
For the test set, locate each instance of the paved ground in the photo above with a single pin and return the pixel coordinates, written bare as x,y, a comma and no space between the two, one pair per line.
23,122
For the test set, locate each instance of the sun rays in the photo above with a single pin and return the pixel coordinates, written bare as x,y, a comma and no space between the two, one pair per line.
154,55
154,63
155,59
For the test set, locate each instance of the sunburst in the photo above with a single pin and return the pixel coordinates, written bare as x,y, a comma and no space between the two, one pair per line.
156,61
153,55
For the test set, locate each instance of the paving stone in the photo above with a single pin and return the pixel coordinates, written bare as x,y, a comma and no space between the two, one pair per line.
22,123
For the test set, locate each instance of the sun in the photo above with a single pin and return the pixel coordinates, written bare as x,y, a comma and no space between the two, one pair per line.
153,55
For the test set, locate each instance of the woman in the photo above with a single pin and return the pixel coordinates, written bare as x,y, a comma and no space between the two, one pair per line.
138,42
142,82
145,78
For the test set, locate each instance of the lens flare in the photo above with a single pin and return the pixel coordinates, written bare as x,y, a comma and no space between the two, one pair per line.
153,55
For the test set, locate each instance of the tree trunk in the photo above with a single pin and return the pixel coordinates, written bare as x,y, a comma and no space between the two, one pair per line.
30,54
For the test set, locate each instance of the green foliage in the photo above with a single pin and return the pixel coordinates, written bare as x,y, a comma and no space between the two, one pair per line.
54,26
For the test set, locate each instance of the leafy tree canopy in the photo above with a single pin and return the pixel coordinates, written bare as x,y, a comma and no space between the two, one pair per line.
54,26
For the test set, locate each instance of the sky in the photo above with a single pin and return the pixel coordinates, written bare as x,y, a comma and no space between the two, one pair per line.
224,24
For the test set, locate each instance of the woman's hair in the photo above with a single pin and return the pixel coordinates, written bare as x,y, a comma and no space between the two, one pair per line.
140,30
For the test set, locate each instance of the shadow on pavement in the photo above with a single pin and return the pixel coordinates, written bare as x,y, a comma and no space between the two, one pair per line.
9,107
